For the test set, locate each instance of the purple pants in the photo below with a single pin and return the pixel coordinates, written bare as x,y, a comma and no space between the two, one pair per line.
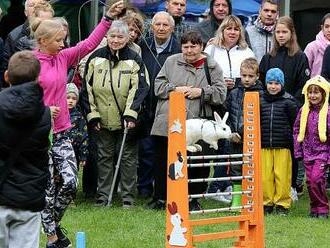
316,184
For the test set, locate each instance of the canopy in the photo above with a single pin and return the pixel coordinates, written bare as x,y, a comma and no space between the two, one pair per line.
240,7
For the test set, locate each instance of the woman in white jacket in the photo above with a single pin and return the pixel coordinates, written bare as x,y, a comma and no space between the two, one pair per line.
229,49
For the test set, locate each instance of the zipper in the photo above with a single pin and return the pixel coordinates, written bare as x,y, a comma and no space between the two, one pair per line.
104,77
271,126
119,78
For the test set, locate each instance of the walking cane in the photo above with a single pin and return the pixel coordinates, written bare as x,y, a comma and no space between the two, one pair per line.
117,167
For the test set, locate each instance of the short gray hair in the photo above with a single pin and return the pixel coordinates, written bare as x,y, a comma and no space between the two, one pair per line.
169,17
120,26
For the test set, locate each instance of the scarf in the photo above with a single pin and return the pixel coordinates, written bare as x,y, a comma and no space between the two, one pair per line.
261,27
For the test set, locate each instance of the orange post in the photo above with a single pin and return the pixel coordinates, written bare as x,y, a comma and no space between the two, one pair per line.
251,220
178,231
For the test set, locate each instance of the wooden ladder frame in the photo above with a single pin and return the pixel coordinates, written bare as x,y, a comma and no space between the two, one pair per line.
251,220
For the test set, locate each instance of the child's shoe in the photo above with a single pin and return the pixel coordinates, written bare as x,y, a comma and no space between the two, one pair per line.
313,215
322,216
62,238
268,209
282,211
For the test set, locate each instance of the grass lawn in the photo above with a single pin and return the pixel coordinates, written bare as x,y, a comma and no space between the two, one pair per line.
121,228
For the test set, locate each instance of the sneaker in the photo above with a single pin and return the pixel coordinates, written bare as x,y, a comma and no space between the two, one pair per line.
100,203
229,197
313,215
56,244
194,205
300,189
127,204
282,211
62,238
220,198
294,194
268,209
156,205
322,216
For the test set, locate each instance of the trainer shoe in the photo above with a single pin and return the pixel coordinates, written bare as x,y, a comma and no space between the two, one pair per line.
268,209
300,189
62,238
156,205
282,211
56,244
127,204
322,216
194,205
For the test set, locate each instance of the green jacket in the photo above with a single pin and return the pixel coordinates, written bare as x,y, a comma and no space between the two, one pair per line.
114,91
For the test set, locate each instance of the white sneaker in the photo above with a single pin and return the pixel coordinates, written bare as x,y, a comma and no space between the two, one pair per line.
228,197
220,198
294,194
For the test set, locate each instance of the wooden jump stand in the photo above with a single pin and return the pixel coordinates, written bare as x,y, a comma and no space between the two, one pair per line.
179,227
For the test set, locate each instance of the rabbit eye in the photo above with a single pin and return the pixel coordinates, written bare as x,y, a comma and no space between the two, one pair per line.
224,129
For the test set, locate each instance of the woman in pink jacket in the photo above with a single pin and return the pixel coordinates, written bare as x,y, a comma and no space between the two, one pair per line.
55,62
315,49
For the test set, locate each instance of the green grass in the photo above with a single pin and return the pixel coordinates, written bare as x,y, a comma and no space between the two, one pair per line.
115,227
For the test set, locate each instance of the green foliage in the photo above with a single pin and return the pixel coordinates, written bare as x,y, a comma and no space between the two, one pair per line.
116,227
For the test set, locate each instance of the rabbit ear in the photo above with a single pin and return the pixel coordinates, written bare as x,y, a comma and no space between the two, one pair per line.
175,207
170,209
217,117
225,117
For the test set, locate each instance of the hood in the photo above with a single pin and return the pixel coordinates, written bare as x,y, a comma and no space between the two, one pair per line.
321,41
323,113
211,9
22,103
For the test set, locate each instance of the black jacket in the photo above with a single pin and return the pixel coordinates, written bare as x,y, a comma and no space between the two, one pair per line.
24,118
295,68
234,105
9,48
154,62
326,64
277,117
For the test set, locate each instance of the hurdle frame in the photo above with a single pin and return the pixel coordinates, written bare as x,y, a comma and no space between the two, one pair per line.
250,232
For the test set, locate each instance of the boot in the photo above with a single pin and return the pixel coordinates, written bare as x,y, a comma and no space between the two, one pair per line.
237,199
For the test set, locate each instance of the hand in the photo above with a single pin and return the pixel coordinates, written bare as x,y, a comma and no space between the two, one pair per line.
235,137
182,89
129,124
97,126
193,93
82,164
54,111
116,9
230,82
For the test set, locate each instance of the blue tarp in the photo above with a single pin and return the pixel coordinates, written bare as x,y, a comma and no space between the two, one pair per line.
240,7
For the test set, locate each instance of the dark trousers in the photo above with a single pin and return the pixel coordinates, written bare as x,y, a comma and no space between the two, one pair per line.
160,172
146,165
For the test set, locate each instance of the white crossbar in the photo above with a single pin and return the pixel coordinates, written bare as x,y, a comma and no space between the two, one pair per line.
218,194
219,210
218,164
219,156
218,179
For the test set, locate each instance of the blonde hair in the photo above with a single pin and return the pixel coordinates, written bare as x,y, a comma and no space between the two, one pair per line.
293,46
251,64
227,22
45,29
42,6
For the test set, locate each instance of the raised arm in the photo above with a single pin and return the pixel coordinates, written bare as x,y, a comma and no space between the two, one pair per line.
74,54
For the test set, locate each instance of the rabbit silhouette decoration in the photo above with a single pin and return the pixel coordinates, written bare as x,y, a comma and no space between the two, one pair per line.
176,237
207,130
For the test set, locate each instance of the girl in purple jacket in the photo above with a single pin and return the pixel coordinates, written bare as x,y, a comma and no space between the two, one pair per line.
312,142
55,61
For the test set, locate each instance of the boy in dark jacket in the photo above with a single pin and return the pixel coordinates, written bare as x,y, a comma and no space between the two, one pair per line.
249,72
278,112
78,131
25,123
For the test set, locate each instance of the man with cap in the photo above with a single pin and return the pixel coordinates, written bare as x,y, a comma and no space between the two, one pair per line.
277,116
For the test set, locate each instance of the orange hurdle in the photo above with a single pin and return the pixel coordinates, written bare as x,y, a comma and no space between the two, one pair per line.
179,227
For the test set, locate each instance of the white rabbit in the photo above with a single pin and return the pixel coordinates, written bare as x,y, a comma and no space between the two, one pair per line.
207,130
176,237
